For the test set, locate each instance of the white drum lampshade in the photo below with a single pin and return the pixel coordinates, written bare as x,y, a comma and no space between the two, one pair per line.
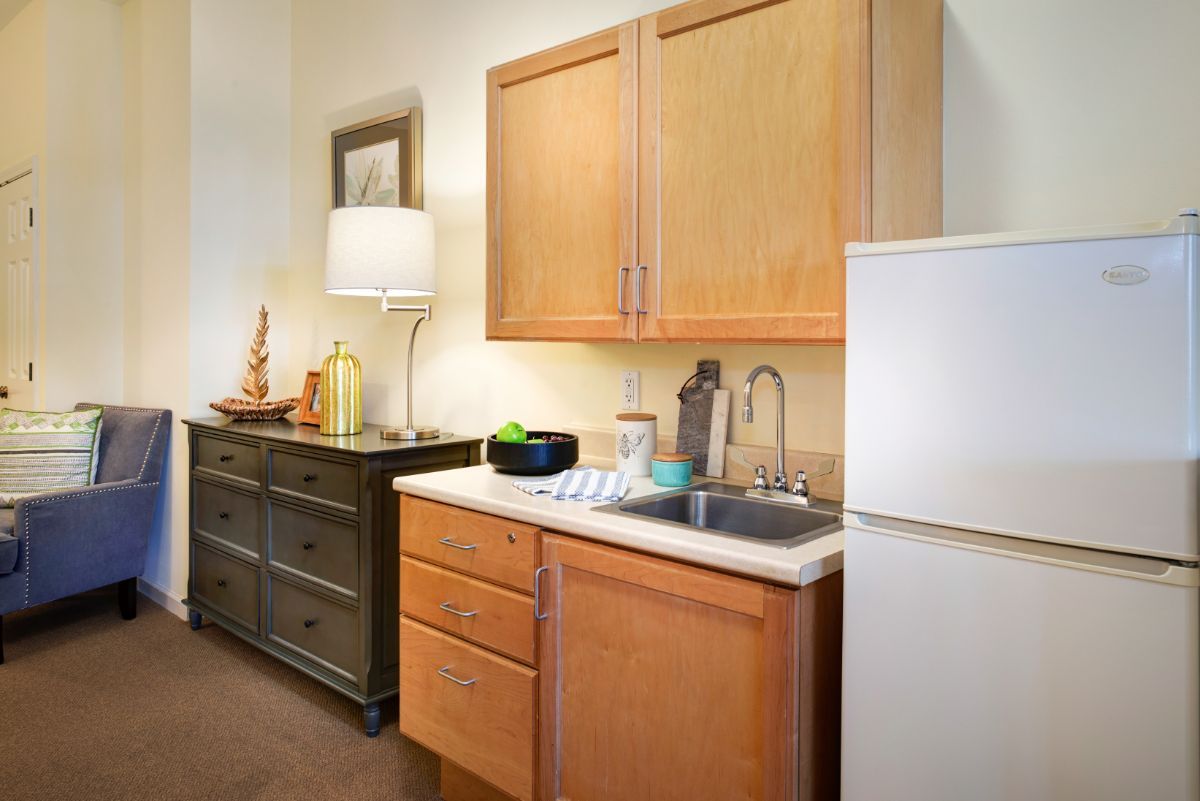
372,250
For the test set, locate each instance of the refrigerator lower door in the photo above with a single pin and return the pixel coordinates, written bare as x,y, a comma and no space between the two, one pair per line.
978,673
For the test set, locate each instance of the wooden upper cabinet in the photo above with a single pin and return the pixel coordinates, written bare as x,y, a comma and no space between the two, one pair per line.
767,135
560,192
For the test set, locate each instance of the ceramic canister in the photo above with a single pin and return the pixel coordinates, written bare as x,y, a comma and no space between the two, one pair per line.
341,392
637,438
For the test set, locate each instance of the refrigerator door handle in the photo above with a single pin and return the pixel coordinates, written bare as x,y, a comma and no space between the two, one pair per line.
1096,561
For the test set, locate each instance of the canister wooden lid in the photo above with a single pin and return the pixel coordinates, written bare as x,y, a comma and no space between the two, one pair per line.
636,417
672,457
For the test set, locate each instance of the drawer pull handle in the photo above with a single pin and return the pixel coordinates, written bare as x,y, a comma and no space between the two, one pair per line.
446,607
537,593
223,515
453,544
220,582
308,624
308,546
226,457
309,477
445,673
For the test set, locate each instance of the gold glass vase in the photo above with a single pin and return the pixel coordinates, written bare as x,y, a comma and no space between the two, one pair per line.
341,392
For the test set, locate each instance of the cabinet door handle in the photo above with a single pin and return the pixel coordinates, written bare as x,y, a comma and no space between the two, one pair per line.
637,288
453,544
226,457
621,271
309,623
309,477
446,607
445,674
220,582
537,593
223,515
308,546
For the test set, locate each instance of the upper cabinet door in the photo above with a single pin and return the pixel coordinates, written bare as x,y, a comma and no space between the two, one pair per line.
561,192
753,148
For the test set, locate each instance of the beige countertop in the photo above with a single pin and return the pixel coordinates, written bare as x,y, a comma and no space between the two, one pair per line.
484,490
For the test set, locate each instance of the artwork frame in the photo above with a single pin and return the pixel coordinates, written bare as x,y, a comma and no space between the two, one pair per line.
309,412
356,148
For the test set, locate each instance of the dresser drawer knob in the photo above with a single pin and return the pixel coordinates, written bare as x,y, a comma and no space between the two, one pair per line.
308,546
308,624
445,673
226,457
453,544
512,536
309,477
220,582
223,515
447,607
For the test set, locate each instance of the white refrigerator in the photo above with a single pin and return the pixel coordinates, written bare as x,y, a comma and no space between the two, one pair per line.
1022,618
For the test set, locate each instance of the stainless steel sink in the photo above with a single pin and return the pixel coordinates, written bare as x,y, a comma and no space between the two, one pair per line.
724,509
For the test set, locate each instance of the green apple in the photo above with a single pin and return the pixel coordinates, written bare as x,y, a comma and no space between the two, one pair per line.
538,441
511,432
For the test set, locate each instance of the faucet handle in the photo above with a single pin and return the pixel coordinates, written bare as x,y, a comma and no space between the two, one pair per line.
800,488
760,477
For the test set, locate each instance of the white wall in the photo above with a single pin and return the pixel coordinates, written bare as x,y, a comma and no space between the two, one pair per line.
1071,112
352,61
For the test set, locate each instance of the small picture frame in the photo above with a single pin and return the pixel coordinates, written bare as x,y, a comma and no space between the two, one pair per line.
310,400
378,162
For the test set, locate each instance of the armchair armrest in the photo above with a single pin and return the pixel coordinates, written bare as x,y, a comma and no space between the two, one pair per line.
77,540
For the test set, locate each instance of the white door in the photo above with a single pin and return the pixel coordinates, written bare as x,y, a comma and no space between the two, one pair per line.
977,676
18,282
1045,390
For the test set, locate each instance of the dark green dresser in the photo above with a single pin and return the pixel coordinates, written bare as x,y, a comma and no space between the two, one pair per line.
294,548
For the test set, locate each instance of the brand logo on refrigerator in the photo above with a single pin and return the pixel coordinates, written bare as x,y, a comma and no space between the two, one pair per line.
1126,274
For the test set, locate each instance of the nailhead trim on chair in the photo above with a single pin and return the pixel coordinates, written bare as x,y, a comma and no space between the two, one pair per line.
153,434
28,541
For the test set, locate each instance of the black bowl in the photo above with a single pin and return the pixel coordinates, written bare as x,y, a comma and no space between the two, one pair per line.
536,459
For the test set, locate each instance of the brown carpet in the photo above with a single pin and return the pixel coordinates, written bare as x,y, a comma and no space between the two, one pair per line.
95,707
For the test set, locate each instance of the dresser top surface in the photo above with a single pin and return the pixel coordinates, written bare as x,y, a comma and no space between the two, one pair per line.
368,443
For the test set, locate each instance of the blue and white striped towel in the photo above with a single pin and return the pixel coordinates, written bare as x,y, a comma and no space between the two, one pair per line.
582,484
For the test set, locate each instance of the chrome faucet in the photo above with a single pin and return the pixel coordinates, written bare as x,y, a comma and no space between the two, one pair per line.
781,480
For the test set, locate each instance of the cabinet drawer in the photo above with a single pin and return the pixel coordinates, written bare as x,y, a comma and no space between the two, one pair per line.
489,547
226,515
225,584
227,458
311,477
323,549
486,726
483,613
317,628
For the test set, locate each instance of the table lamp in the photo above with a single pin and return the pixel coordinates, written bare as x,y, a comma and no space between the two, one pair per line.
387,252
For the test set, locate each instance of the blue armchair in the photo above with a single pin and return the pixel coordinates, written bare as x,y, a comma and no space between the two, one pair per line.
62,543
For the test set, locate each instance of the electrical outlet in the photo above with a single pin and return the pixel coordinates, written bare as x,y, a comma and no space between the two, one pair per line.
631,390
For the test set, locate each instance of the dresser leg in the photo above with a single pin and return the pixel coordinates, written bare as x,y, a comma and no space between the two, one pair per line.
127,598
194,619
371,719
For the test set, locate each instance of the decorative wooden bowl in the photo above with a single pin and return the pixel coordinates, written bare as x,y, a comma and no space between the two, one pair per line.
238,409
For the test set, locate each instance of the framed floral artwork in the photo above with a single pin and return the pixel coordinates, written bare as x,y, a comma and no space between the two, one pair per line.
378,162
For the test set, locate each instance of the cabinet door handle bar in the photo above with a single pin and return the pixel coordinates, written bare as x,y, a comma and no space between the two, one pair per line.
445,673
445,606
537,593
453,544
637,288
621,271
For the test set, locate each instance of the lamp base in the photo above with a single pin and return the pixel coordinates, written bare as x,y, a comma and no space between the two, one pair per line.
416,432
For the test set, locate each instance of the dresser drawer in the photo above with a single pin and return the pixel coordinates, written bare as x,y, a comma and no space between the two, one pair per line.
321,548
483,613
484,546
227,458
485,726
317,628
226,515
321,480
226,585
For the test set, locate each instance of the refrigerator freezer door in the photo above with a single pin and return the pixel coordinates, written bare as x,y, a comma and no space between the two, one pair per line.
970,675
1030,390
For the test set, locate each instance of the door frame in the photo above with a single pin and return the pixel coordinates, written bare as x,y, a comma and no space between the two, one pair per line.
8,175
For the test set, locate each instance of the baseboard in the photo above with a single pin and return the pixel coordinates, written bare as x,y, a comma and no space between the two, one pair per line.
163,598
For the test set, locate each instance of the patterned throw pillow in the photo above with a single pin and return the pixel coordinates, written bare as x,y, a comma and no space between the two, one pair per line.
47,451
